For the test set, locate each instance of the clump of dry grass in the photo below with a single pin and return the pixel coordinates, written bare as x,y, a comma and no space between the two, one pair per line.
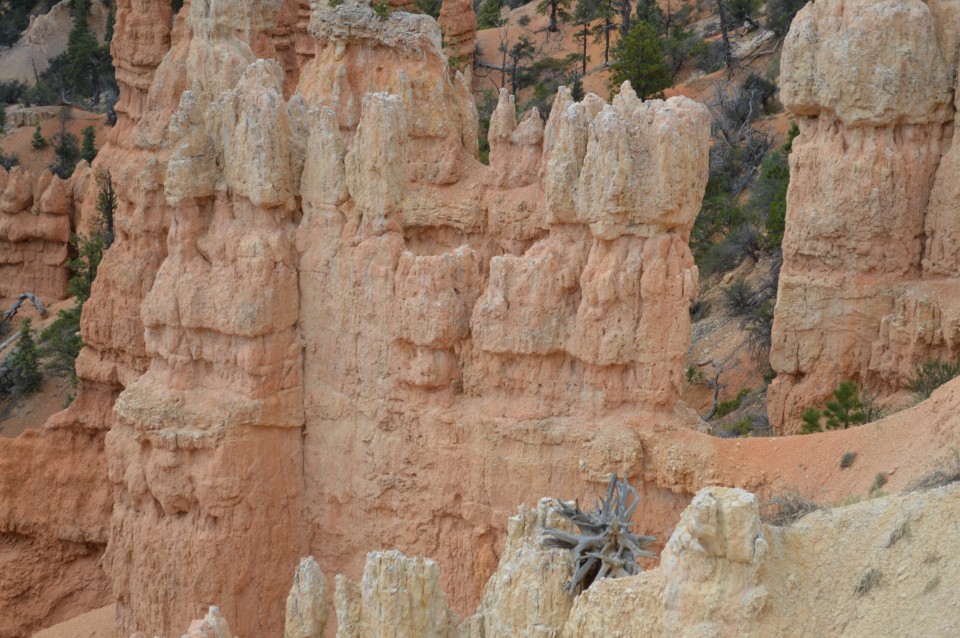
786,509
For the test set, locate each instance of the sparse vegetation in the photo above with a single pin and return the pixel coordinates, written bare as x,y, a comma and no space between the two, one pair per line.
727,230
870,579
752,425
9,160
699,308
428,7
730,405
11,91
947,474
780,14
486,105
786,509
930,375
847,459
381,9
878,482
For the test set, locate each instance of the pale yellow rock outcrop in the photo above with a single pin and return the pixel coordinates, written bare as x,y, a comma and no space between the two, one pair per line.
883,565
307,604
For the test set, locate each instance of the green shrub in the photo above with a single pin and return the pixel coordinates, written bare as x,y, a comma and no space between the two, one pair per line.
8,161
878,482
382,9
699,308
711,57
780,14
740,428
847,459
726,407
930,375
739,298
428,7
947,474
11,91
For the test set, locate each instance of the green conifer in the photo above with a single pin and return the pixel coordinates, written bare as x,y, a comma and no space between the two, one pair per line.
89,150
23,364
38,141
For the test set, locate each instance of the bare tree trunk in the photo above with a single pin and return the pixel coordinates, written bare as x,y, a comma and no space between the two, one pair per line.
607,27
727,50
7,317
585,35
625,10
553,16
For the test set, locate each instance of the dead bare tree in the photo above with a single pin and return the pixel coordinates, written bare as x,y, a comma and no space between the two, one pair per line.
739,146
7,317
605,546
713,382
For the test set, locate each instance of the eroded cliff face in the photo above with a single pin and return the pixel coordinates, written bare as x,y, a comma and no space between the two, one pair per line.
322,312
869,280
331,329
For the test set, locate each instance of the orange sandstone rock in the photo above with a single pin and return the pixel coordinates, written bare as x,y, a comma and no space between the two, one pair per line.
869,275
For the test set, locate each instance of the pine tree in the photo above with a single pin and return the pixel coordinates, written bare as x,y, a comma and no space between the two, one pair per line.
639,58
38,141
605,11
576,88
585,13
559,12
489,15
846,409
83,65
88,151
521,50
23,375
649,11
